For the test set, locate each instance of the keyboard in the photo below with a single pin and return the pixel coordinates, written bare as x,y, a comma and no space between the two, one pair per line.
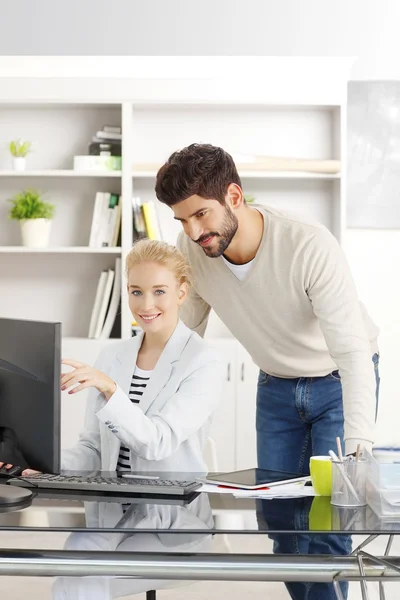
99,483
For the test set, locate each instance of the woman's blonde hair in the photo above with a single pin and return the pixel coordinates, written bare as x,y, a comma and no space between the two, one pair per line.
162,253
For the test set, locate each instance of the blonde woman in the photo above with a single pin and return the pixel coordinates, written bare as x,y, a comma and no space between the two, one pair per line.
149,409
151,397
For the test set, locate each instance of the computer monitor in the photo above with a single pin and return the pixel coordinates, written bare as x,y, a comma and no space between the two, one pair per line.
30,396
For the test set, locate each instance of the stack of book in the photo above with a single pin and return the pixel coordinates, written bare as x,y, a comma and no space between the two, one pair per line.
145,223
107,141
106,221
105,151
105,321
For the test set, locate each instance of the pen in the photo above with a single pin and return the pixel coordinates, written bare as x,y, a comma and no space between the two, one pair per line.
339,449
358,452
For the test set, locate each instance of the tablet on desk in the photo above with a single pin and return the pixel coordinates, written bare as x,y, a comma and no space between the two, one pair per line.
253,479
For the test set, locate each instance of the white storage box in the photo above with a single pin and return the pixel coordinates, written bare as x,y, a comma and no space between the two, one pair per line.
383,485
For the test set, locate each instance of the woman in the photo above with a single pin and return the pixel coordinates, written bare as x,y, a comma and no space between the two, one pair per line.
152,396
149,409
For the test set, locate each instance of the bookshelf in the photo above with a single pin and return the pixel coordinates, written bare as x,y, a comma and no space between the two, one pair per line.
61,122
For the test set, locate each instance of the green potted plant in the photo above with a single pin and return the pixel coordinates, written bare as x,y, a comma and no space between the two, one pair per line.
19,150
34,216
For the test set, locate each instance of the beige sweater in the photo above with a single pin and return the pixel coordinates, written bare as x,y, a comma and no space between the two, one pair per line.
296,312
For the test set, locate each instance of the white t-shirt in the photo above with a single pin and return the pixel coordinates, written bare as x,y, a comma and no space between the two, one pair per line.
239,271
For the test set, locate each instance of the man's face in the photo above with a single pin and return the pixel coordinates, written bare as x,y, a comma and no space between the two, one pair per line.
208,223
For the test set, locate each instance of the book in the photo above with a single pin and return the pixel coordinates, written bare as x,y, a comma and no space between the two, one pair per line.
138,225
116,330
150,219
105,148
117,225
109,226
112,128
98,206
114,302
105,135
90,162
104,303
101,239
106,220
97,302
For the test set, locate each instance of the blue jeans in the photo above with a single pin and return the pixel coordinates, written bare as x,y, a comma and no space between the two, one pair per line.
295,419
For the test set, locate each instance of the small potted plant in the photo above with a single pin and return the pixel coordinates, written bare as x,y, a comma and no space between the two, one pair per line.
34,216
19,150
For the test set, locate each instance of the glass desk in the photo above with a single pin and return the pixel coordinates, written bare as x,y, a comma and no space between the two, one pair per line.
171,540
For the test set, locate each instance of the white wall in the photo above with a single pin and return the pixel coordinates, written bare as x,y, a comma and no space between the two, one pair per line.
374,256
364,28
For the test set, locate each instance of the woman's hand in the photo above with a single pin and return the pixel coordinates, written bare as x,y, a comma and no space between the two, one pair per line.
24,473
5,465
87,377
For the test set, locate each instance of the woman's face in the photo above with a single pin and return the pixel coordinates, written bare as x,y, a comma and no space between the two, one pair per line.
154,296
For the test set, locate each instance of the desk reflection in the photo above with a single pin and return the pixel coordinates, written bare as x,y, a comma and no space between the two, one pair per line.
196,515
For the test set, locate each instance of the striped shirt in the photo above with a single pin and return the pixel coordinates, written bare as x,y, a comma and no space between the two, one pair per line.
138,385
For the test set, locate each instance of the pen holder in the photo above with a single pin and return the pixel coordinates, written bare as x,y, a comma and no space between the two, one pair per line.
349,483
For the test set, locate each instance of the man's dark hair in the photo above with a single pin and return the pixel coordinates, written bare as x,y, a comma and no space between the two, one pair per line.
199,169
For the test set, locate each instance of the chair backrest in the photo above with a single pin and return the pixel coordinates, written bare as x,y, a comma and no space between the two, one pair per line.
210,455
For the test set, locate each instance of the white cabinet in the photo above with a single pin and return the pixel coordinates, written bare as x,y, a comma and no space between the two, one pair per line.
234,427
246,391
223,428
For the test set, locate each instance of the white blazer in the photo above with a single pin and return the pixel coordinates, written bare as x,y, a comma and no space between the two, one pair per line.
168,429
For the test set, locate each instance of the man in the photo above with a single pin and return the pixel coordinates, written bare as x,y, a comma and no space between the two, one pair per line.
283,287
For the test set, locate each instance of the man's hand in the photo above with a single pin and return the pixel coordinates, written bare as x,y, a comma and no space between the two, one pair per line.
87,377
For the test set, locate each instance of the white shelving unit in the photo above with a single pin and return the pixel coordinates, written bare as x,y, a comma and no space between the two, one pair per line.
60,173
256,175
61,250
273,118
151,131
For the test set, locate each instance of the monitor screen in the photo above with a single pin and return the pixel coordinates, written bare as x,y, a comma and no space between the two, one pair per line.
30,396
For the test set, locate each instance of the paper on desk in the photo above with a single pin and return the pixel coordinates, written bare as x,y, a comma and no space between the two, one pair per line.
210,488
288,490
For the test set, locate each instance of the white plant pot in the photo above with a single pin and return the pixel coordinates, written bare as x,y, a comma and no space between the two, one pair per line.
35,232
19,163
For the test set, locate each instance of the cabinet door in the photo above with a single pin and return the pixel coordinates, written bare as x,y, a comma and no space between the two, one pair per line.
223,425
246,390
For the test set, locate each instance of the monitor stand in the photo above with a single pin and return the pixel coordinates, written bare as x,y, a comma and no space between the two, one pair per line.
11,496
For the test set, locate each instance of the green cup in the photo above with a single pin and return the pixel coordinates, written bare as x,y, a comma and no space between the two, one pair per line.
321,474
320,517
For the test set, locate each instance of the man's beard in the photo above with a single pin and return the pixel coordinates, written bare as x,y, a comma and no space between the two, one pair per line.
224,238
